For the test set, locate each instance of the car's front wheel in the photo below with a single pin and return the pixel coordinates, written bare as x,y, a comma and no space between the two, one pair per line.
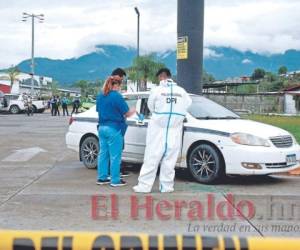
205,164
89,152
14,109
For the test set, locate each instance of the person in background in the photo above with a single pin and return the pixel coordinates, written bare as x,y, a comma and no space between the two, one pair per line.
27,100
76,105
53,105
112,111
49,103
57,104
64,105
29,105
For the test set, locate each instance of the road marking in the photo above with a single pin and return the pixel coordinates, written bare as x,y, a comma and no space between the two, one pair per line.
22,155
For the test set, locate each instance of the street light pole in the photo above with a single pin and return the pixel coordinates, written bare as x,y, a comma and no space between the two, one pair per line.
32,54
138,30
41,19
138,43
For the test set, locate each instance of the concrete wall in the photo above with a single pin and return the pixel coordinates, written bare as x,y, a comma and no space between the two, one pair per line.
256,103
291,102
290,107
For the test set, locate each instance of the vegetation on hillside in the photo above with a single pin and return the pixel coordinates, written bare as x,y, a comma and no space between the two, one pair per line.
268,81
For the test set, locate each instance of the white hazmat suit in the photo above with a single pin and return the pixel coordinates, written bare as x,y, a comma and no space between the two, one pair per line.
168,104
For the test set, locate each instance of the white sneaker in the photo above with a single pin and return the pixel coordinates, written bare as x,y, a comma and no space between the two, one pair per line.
167,191
138,189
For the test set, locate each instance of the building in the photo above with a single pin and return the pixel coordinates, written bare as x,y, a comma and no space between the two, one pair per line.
4,88
41,85
23,83
292,100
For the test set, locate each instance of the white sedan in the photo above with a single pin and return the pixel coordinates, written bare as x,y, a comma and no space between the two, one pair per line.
215,142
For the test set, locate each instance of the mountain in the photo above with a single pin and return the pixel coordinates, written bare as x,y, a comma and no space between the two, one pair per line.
229,62
95,65
222,62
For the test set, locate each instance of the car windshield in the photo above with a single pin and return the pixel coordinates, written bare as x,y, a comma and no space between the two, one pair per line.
12,97
203,108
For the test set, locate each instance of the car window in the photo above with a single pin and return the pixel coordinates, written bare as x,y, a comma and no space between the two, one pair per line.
144,108
13,97
131,101
203,108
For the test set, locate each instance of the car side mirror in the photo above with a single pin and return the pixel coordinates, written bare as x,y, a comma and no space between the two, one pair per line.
185,120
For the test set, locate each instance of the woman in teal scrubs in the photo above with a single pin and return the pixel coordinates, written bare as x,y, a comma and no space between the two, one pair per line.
112,110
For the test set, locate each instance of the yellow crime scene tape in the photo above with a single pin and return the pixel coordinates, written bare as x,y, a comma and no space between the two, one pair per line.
31,240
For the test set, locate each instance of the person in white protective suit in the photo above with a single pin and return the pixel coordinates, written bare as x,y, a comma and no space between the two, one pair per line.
168,104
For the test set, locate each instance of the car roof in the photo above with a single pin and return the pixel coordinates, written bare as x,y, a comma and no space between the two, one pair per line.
144,93
136,93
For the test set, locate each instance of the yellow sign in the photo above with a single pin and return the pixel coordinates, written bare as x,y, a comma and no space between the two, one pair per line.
182,47
28,240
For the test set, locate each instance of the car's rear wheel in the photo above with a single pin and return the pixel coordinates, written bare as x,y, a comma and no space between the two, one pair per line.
34,109
14,109
205,164
89,152
41,111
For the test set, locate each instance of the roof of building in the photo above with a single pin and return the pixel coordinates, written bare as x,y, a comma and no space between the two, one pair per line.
293,88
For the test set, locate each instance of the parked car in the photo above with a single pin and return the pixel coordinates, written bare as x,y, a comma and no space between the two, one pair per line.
215,142
15,104
1,100
87,103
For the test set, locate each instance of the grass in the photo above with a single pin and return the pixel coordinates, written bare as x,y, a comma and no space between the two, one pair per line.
291,124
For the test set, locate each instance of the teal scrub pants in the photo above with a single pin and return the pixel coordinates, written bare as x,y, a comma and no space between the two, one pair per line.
111,144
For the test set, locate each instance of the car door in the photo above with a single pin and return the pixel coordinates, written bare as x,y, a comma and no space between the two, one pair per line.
1,102
135,138
9,99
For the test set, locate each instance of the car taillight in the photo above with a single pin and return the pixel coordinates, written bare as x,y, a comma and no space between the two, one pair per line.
72,119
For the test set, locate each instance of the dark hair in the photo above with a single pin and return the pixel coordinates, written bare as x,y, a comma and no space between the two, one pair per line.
118,72
164,70
110,82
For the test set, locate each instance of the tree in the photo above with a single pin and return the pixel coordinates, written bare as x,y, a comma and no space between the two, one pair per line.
282,70
13,73
144,69
83,85
258,74
270,77
54,88
89,88
94,87
207,78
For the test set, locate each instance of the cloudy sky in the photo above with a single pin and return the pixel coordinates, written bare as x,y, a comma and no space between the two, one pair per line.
73,27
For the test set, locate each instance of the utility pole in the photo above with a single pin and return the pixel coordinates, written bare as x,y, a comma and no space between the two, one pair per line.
190,27
41,19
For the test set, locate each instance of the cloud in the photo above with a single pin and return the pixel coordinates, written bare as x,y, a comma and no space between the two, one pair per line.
246,61
210,53
73,29
265,26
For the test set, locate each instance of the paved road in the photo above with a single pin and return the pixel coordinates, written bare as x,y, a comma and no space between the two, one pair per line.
44,187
